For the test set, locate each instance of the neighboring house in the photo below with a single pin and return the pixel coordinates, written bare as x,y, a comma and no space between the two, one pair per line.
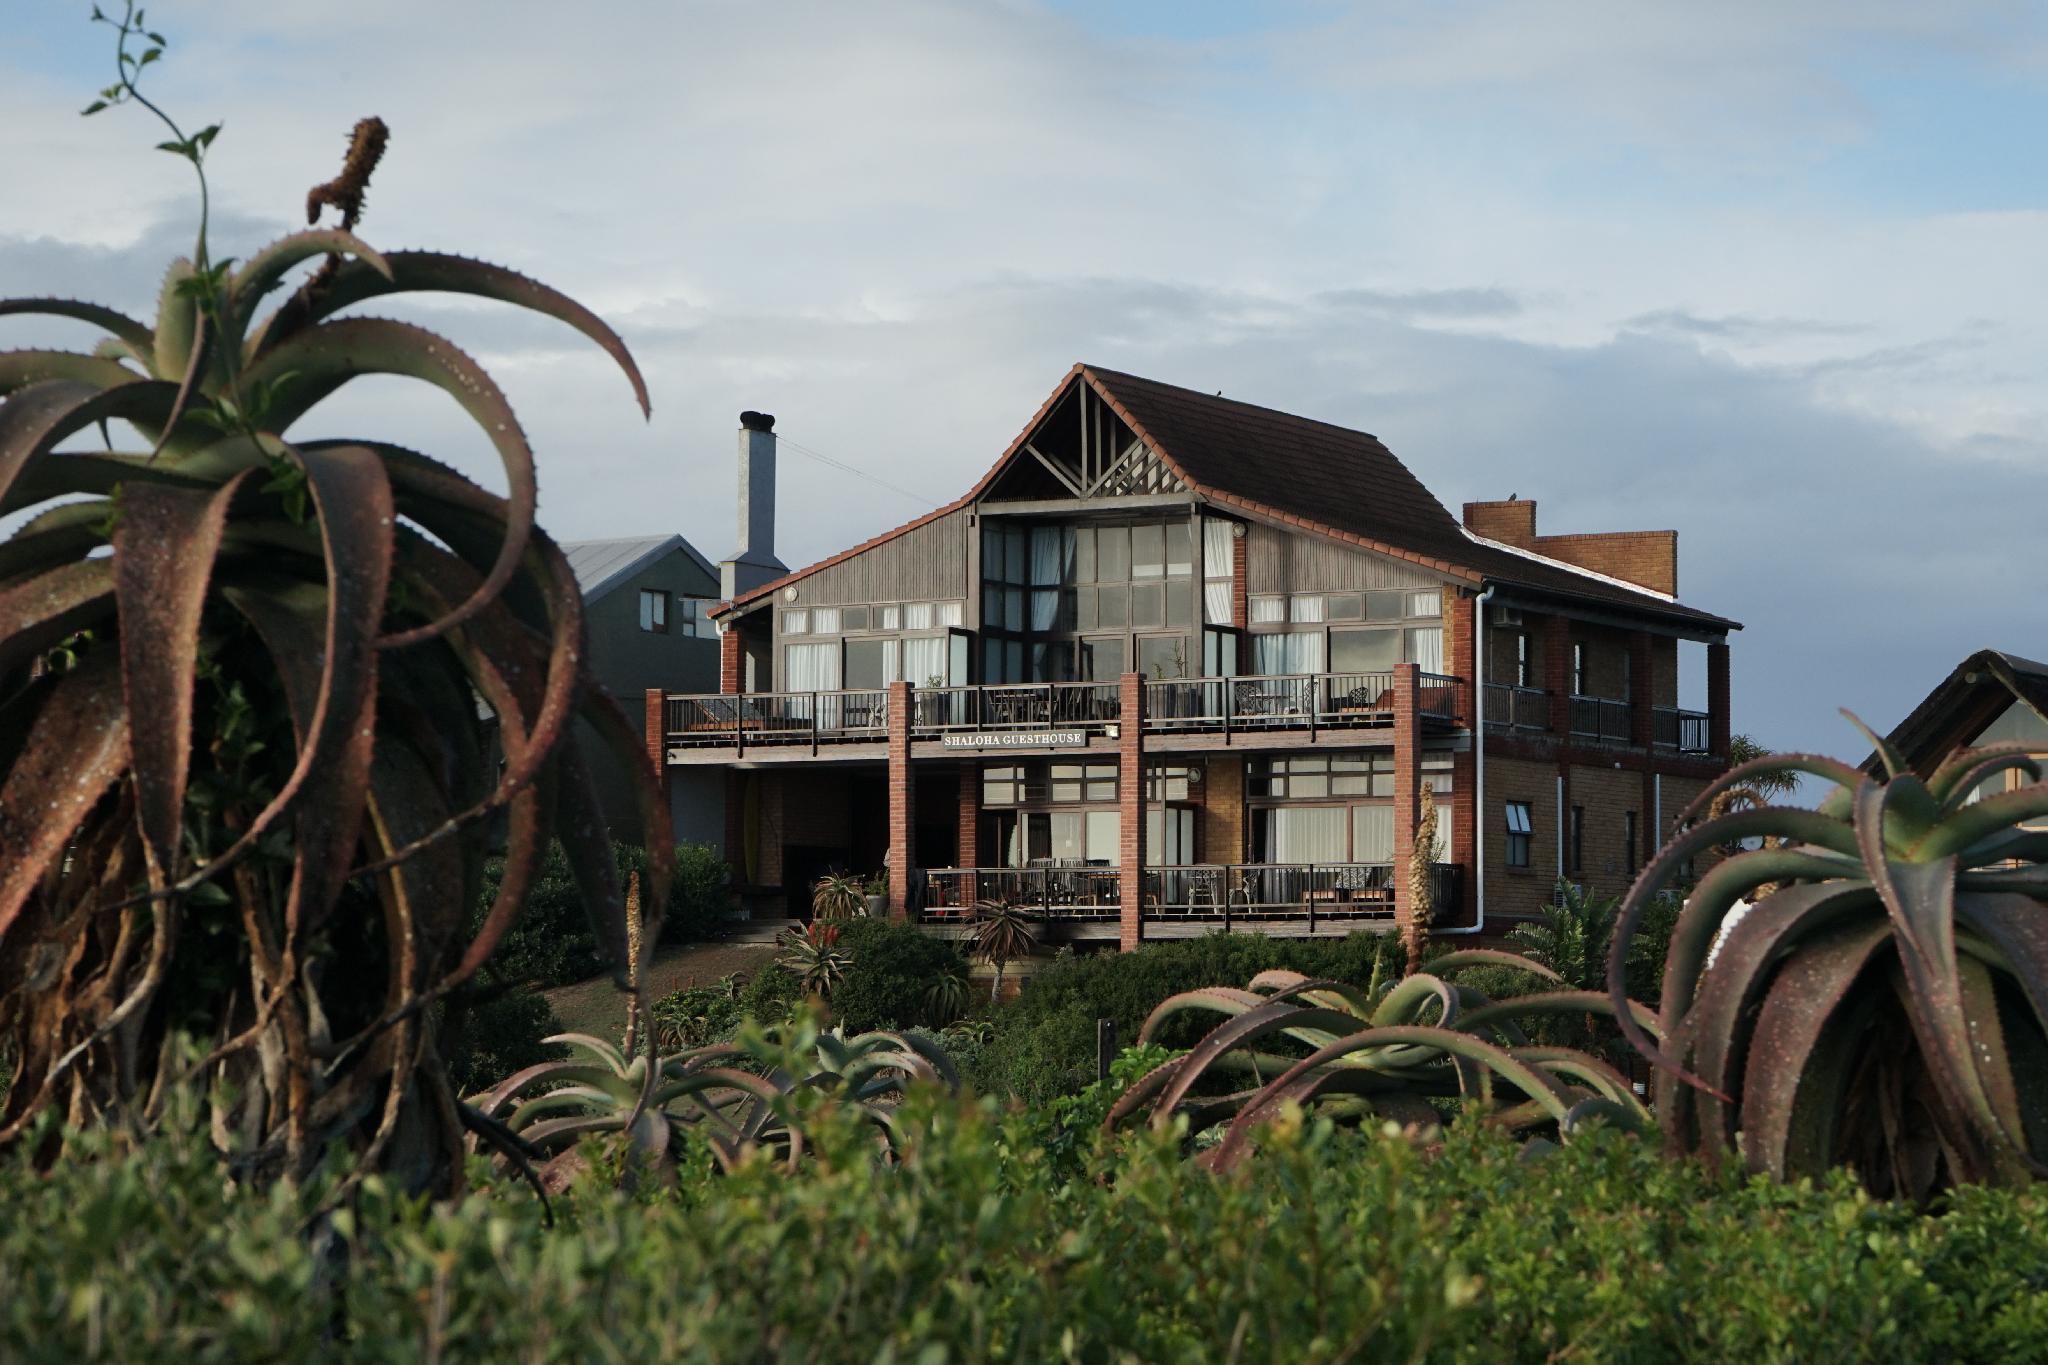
645,602
1178,662
1990,698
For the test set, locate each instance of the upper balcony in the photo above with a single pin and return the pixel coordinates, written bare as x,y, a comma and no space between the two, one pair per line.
1597,720
1024,714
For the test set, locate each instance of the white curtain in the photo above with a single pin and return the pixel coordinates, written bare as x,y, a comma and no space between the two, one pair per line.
1298,651
1442,854
1307,834
1372,834
1216,603
1052,556
924,660
810,668
1426,648
1217,556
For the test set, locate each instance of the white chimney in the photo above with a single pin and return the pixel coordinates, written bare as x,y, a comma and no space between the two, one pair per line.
754,562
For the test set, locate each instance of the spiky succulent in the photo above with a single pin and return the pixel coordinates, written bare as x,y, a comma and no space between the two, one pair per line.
1885,1005
1392,1054
813,956
741,1096
244,787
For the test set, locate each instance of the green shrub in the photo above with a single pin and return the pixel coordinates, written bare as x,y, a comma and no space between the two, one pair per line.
889,979
1328,1245
1044,1043
551,944
485,1040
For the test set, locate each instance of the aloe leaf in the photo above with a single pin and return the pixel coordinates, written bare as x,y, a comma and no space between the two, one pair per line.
76,752
19,369
262,271
164,552
1981,820
1802,1048
39,416
132,333
1489,957
1960,773
1771,765
1235,1032
37,612
1403,1004
316,362
413,271
177,314
1495,1013
1221,999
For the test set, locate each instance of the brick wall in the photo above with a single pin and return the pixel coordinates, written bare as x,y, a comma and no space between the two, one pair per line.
902,855
1407,784
1649,558
729,661
1240,582
1608,796
1517,890
1222,818
1458,609
969,835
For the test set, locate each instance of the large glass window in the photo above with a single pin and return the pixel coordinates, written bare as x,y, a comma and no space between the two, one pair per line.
1102,658
1307,834
1163,656
1372,834
870,664
1364,651
1282,652
1169,836
810,668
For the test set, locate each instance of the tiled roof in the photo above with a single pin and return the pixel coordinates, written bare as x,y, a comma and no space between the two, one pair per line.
1314,476
599,565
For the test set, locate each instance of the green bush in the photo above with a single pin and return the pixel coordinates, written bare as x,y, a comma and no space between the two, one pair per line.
893,966
551,943
1328,1245
1044,1044
485,1040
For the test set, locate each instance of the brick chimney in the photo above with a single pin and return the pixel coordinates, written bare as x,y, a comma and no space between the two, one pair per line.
754,562
1512,522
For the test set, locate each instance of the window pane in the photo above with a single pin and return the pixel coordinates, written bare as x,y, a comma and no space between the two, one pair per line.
1104,827
1084,555
1045,609
1148,605
1299,651
810,668
1216,603
1180,549
1425,604
1385,606
1084,608
854,618
866,664
1148,551
1102,659
1305,608
1112,606
1163,656
1180,603
1219,653
892,618
1364,651
924,660
1112,554
949,613
1266,609
1013,608
1047,567
1441,853
1343,607
825,620
796,622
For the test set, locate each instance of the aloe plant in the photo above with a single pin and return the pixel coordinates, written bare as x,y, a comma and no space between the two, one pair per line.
1002,934
839,895
1883,1004
1394,1053
740,1096
812,955
243,784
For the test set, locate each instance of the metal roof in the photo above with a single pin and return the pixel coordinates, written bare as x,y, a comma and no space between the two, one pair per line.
600,565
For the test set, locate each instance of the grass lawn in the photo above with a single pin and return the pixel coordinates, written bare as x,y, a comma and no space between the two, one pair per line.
596,1007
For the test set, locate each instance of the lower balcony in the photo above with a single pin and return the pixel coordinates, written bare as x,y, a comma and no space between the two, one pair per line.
1184,901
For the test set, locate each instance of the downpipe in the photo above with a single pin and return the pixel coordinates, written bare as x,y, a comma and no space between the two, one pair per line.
1478,924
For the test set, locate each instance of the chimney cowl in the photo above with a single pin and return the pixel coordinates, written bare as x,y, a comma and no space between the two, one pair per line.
758,421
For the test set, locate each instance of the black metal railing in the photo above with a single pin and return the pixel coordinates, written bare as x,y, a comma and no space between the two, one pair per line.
1510,707
1602,718
1053,891
1251,892
1673,727
777,717
1283,701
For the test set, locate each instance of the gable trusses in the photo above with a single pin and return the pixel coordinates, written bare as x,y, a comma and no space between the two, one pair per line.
1080,447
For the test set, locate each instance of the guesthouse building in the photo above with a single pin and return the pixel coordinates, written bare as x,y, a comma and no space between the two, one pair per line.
1176,663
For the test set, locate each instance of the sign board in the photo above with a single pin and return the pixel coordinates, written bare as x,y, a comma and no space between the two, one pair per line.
1015,739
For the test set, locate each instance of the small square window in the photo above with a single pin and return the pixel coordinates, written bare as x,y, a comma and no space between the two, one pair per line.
1425,604
918,615
654,611
1267,609
796,623
1306,608
825,620
949,613
891,618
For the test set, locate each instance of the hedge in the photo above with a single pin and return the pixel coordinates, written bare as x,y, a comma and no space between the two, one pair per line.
1328,1245
1044,1040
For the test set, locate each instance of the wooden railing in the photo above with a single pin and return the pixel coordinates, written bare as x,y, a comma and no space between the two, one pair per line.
1602,718
1673,727
1053,892
1517,708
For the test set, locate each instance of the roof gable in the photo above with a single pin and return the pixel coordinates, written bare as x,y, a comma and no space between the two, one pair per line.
601,565
1953,715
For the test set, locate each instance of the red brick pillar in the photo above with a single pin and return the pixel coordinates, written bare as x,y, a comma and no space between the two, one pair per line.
902,817
657,736
1717,699
1642,696
1407,786
730,670
1557,673
968,852
1464,804
1458,657
1130,798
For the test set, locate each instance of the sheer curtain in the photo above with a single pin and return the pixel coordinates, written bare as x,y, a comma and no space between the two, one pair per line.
1307,834
924,660
1426,648
1298,651
1372,831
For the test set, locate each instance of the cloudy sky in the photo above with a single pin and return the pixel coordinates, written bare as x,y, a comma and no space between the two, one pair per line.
1774,275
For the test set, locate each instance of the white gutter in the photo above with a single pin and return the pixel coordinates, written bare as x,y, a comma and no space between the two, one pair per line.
1478,763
